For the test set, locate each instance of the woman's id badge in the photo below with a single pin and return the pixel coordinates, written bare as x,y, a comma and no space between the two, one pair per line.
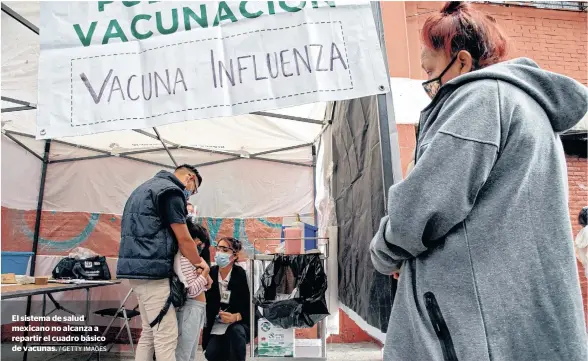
225,297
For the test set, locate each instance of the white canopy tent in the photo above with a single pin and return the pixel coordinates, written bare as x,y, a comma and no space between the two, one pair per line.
254,165
244,152
263,164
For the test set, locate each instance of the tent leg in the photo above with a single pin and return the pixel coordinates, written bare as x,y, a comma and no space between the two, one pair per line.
40,206
391,168
322,326
314,185
37,230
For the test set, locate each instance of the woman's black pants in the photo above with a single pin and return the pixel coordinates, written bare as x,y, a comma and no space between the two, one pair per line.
232,346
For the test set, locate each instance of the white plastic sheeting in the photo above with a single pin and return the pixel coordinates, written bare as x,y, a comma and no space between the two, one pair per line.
21,176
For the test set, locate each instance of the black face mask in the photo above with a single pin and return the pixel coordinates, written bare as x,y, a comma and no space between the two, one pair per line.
432,86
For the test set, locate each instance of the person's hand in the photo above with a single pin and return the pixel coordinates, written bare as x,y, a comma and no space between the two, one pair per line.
228,317
396,274
205,268
209,285
203,265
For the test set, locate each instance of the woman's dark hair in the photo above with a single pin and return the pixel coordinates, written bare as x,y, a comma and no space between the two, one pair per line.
235,245
583,217
458,26
198,231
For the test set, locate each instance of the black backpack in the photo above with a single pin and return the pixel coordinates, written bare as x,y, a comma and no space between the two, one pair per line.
178,295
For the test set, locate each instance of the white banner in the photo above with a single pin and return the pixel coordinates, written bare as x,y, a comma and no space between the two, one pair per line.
135,64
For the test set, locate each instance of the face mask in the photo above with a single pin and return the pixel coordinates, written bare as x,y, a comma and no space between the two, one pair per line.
432,86
222,259
187,194
200,248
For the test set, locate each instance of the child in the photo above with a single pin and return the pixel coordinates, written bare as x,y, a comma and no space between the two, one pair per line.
192,316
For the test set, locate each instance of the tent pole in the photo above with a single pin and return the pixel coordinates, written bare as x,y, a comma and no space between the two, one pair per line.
7,135
165,146
313,149
19,102
147,162
288,117
257,156
156,137
40,206
322,326
280,149
174,145
16,16
391,168
132,152
16,109
100,156
37,230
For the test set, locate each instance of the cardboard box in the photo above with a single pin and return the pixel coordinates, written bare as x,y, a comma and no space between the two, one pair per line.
8,278
275,341
41,281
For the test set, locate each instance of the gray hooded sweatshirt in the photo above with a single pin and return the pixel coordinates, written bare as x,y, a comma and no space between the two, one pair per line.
481,226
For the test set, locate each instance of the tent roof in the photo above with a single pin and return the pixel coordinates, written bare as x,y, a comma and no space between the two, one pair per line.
239,136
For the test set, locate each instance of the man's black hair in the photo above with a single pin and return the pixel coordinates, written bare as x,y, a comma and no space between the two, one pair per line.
192,169
583,217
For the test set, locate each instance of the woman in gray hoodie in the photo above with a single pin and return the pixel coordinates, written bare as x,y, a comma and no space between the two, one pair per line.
480,226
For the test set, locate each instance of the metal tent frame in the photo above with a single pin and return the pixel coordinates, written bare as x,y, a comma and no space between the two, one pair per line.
391,171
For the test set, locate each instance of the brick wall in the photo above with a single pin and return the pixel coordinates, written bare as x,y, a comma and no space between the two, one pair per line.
578,183
556,40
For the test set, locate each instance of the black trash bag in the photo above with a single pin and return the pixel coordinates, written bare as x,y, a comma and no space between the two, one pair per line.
303,279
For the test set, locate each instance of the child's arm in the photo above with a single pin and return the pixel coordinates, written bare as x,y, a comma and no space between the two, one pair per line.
196,283
199,286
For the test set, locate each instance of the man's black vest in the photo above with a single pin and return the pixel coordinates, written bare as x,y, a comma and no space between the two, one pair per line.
147,244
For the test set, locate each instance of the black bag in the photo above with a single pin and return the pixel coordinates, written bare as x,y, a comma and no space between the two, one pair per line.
178,295
94,268
303,278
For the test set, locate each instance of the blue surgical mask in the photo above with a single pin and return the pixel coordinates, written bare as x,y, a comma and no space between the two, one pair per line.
222,259
187,194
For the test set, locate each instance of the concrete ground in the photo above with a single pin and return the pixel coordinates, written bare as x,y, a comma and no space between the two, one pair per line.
336,352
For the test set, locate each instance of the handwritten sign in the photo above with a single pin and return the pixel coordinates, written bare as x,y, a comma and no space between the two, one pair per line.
124,65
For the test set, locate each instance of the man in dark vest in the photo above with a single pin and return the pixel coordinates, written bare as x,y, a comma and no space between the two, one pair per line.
153,227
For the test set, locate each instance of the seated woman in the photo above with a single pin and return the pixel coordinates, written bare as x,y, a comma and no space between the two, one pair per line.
226,333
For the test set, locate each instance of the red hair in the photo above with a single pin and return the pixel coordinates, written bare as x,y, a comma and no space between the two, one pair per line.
458,26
